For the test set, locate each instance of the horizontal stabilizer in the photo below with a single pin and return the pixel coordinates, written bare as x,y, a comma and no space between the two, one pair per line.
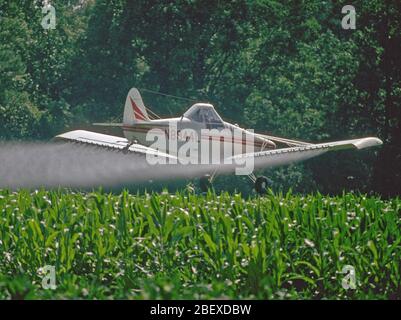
115,125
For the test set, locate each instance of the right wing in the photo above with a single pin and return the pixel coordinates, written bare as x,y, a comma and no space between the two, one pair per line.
108,141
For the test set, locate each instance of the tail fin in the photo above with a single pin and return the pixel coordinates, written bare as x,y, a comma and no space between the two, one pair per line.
134,110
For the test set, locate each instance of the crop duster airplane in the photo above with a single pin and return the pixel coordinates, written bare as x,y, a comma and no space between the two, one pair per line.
201,126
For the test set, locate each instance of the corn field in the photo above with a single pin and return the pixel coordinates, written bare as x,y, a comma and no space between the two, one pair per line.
193,246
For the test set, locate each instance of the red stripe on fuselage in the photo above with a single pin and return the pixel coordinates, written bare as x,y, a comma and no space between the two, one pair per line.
216,138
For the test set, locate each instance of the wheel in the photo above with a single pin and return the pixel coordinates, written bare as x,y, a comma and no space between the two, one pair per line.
205,184
261,184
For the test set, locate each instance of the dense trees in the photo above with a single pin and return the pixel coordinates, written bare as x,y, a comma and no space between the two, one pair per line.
33,68
283,67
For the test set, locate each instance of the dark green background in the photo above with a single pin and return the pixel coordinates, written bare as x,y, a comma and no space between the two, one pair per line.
280,67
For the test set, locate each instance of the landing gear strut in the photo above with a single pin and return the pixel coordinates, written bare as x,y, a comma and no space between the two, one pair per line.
125,150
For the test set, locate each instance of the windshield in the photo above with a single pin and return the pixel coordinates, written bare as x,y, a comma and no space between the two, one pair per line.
208,116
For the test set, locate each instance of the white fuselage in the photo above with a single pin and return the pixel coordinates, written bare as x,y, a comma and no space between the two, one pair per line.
228,139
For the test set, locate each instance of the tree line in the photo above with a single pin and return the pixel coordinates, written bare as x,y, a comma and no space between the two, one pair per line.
281,67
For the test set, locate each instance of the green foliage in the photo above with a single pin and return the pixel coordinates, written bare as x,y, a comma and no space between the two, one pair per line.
191,246
33,68
286,68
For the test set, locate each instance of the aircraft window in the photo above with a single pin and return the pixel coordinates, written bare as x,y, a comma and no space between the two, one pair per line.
209,117
197,116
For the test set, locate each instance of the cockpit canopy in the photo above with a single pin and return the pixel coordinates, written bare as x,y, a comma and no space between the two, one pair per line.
204,113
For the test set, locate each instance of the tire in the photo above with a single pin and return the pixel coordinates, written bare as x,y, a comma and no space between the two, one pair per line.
262,184
205,184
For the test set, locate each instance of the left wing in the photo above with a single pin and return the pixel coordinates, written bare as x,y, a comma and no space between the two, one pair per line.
276,157
288,142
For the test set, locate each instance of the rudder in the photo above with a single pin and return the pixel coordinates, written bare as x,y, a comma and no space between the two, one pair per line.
134,109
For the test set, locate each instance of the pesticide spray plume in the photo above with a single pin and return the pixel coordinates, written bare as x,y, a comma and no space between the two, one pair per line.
49,165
